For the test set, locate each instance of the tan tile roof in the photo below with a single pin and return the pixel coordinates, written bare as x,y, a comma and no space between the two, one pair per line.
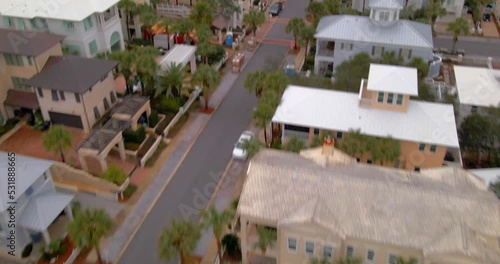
385,205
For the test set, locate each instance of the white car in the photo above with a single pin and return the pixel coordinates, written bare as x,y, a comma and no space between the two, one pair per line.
239,152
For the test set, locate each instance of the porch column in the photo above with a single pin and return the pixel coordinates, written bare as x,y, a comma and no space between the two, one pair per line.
46,237
104,164
69,212
121,149
192,63
134,124
83,163
311,136
244,241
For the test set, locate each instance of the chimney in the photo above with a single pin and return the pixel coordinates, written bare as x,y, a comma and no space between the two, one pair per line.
328,146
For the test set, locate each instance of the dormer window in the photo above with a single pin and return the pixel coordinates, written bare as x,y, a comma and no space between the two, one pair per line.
383,16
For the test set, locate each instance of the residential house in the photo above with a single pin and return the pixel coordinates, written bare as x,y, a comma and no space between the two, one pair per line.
339,209
453,7
35,202
75,91
383,108
478,88
340,37
23,54
90,26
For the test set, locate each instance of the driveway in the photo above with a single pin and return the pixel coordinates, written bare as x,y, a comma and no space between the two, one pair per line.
191,187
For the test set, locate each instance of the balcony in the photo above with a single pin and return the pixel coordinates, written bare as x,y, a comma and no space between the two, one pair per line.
326,48
108,15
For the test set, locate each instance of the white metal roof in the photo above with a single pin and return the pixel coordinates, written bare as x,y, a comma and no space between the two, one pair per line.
478,86
179,54
393,79
27,169
388,4
430,123
70,10
43,209
360,29
489,175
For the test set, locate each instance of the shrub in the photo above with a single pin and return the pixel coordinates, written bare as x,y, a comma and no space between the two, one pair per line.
129,191
231,244
153,118
137,136
295,144
170,105
27,251
151,161
57,248
115,175
308,63
132,146
217,54
277,144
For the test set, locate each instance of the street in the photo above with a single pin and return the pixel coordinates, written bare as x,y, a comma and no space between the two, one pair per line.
472,46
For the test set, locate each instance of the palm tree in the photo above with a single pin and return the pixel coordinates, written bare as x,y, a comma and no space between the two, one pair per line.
295,25
183,26
390,58
411,260
125,59
147,67
267,238
202,13
306,36
263,115
171,80
203,33
276,82
57,139
88,227
253,20
314,12
421,65
219,222
332,7
434,10
129,6
147,15
180,238
255,82
251,146
208,78
458,27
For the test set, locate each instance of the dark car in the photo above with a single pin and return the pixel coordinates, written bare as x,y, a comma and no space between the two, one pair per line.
276,9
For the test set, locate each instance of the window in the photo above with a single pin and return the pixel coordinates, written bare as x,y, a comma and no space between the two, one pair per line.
390,98
93,47
87,23
370,256
405,53
106,104
297,128
473,109
433,148
380,97
349,252
399,100
113,97
369,161
18,82
61,95
40,92
383,16
54,95
346,46
339,135
14,60
417,169
395,16
9,22
97,115
392,259
77,97
377,51
327,252
30,60
21,24
316,131
68,25
292,244
421,147
309,248
72,49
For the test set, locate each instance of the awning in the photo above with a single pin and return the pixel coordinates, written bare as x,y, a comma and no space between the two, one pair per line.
18,98
220,21
43,209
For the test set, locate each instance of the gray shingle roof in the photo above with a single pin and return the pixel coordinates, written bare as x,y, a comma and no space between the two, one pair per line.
27,43
391,206
360,29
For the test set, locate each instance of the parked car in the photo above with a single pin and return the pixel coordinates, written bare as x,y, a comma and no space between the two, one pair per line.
276,9
239,152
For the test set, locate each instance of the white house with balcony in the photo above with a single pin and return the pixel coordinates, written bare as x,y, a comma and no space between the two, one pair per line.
453,7
35,204
90,26
340,37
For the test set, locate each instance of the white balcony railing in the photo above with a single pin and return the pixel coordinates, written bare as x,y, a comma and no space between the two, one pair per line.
168,10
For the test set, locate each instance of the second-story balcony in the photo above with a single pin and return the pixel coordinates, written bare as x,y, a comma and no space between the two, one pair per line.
326,48
109,14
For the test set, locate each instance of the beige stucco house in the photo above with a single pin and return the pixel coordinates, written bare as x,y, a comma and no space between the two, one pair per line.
22,55
324,205
383,108
75,91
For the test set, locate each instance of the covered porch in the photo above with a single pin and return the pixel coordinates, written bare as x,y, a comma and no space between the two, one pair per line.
20,102
180,54
43,210
249,237
133,109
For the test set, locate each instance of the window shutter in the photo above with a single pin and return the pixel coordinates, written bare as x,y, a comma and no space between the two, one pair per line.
373,50
409,54
400,52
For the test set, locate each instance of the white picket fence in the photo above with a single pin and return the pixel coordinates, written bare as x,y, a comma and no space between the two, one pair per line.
168,10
